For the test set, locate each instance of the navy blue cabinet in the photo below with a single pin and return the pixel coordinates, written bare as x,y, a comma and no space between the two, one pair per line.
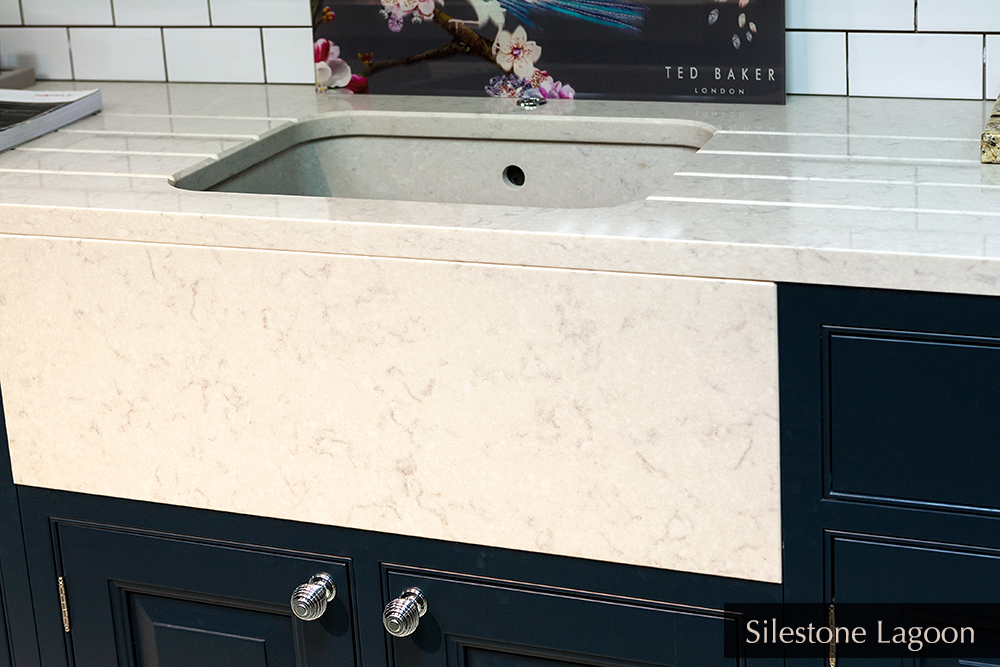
489,623
5,657
163,600
18,645
890,447
152,585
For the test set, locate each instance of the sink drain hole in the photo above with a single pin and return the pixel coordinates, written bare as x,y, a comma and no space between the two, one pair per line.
513,176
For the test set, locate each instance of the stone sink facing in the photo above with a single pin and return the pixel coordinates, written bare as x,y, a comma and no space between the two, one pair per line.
514,160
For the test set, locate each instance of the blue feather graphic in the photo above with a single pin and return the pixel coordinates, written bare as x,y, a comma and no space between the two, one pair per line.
613,13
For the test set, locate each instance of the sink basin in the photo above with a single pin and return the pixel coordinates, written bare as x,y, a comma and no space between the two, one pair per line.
499,159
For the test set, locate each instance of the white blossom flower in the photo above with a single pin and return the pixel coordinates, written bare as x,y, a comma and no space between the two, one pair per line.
513,51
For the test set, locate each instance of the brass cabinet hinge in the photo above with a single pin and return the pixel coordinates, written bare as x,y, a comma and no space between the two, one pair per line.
62,604
833,637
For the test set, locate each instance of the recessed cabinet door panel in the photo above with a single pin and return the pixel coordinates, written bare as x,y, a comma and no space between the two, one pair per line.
140,600
914,420
869,569
484,624
882,570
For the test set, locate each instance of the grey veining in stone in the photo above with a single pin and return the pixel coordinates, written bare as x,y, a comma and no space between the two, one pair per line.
766,198
199,347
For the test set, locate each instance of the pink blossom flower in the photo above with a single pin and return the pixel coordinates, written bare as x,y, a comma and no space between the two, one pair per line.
513,51
321,49
358,84
549,88
331,71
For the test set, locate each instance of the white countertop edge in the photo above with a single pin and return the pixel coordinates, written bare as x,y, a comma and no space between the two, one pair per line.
682,257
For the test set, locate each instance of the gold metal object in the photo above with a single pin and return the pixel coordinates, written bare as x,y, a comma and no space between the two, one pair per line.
833,637
62,604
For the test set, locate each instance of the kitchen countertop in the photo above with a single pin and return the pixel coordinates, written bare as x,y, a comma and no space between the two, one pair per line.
883,193
394,366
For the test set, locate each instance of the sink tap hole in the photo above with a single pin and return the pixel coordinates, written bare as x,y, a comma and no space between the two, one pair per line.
513,176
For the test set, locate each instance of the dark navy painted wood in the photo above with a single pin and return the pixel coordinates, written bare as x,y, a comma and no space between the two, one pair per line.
914,418
172,632
857,362
871,569
502,624
6,660
18,644
167,591
593,584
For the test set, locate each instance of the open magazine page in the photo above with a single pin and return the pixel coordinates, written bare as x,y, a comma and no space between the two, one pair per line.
26,114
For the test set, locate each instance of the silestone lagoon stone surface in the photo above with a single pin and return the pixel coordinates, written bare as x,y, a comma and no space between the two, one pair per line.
614,416
594,381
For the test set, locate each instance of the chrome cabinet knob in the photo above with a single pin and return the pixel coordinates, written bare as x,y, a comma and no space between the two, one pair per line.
401,616
309,600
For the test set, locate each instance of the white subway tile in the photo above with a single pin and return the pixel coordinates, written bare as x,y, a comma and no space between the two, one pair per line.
173,13
45,49
66,12
288,55
10,12
222,55
816,63
117,54
849,14
915,65
992,67
261,12
958,15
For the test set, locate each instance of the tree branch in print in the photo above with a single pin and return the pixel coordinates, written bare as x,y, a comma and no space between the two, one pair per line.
464,41
320,13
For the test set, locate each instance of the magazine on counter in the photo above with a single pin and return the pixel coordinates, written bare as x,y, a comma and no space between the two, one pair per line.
27,114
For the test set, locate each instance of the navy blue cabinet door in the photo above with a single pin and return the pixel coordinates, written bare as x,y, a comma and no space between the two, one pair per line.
145,600
890,463
5,660
474,622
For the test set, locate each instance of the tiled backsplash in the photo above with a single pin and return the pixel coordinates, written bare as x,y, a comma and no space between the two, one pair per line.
246,41
894,48
899,48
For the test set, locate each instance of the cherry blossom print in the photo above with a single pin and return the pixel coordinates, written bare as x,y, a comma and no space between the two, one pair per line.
331,70
513,51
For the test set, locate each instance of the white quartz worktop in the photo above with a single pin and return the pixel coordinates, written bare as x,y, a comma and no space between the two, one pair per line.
851,191
599,383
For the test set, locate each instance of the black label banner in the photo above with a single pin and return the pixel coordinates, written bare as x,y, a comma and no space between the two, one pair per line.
953,631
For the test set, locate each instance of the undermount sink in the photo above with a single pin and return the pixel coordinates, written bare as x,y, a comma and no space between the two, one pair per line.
499,159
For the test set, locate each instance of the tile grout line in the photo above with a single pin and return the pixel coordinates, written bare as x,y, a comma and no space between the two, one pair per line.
69,49
163,48
847,64
263,55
